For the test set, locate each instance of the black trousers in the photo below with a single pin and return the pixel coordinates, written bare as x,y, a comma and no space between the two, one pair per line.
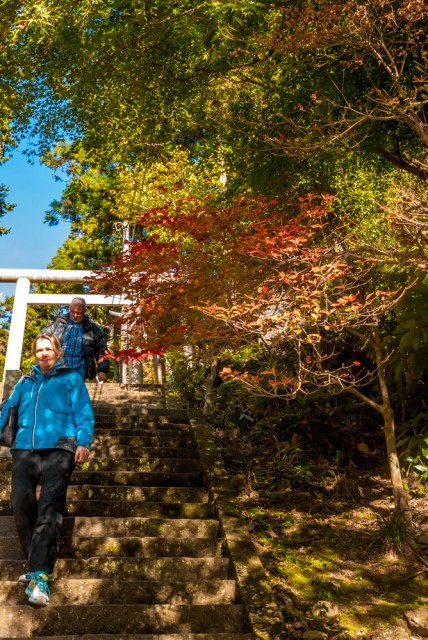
38,521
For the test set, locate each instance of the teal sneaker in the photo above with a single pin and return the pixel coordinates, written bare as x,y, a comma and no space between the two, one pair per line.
27,577
38,589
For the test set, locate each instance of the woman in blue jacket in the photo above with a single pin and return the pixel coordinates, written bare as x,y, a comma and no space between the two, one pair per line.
55,427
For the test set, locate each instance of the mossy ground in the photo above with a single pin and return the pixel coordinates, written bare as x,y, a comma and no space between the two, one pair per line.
332,539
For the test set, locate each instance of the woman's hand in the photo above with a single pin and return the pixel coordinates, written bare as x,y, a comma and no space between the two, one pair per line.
82,454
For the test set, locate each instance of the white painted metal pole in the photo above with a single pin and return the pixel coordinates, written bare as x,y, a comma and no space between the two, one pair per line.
44,275
17,325
16,336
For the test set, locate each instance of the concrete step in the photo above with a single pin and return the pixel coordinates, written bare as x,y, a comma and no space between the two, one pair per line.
125,386
155,414
147,401
162,636
127,478
97,465
105,393
68,591
137,478
152,439
98,526
141,398
188,569
134,494
121,509
138,548
135,397
108,389
140,420
146,450
137,415
174,465
134,547
140,435
143,431
17,621
142,428
147,461
140,553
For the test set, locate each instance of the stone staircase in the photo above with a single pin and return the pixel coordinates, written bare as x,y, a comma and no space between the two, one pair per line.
144,554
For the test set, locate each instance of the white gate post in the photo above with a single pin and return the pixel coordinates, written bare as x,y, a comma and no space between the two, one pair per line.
23,298
12,362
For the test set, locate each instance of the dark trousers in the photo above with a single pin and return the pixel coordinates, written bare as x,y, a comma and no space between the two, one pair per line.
38,521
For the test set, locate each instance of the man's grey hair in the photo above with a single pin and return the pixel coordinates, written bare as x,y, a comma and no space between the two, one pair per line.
81,302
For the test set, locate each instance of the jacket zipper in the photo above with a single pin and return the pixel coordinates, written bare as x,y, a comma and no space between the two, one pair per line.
35,413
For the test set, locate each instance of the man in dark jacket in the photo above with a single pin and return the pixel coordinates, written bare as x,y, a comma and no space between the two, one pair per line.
82,341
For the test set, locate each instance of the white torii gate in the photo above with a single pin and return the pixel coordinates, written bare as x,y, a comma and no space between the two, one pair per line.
23,297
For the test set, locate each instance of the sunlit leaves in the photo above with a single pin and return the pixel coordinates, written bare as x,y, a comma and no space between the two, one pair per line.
368,66
256,271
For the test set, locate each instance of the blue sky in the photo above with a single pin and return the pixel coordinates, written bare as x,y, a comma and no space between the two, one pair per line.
30,244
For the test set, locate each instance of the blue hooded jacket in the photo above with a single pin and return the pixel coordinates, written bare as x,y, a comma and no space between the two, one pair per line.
54,410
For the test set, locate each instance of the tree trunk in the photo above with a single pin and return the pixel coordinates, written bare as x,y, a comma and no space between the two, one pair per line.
401,498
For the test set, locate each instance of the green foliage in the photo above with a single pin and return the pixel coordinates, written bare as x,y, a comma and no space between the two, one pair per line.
362,186
291,441
186,378
225,98
122,83
393,530
406,339
127,77
5,207
412,444
420,465
409,339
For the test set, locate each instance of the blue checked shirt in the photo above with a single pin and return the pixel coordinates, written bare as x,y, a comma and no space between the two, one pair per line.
72,345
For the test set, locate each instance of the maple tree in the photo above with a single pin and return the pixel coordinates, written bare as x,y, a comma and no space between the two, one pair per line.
283,88
366,65
267,275
267,88
124,81
122,78
274,97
